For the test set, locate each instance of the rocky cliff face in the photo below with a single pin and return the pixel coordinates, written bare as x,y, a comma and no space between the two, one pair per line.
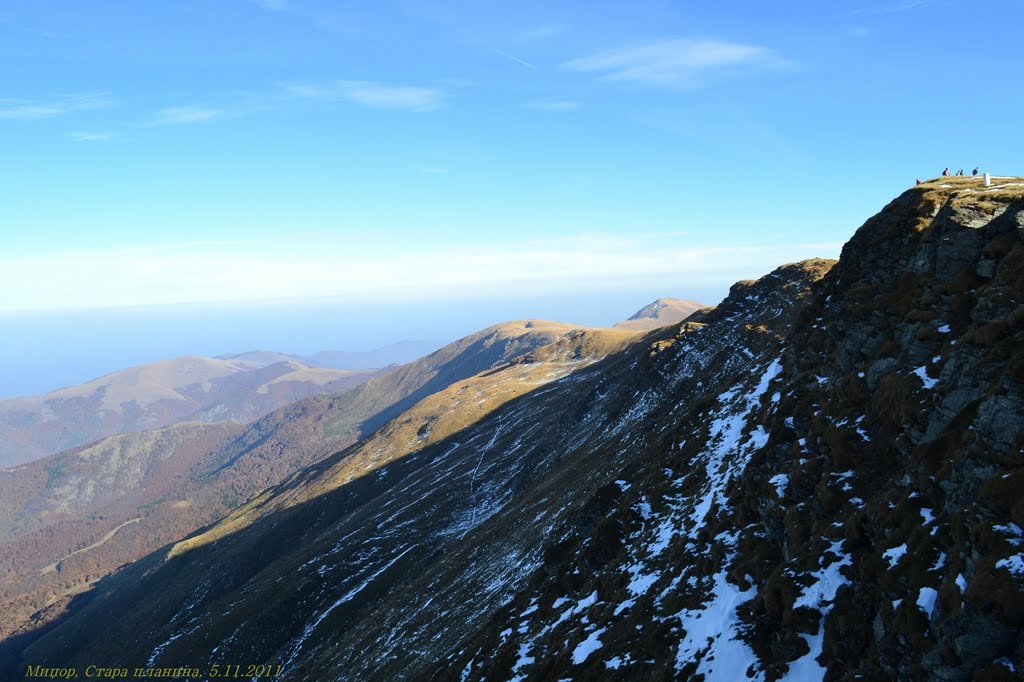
816,479
863,523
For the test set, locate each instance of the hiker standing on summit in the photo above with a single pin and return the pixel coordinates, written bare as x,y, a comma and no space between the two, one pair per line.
945,173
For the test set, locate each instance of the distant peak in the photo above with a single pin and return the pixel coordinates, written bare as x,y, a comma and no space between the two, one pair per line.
661,312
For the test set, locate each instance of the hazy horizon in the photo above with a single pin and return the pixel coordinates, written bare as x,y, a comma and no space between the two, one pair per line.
54,349
168,166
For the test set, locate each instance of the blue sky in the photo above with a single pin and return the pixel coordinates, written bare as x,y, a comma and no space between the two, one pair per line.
421,153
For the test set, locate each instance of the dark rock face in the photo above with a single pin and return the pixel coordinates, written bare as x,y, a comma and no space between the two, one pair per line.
917,399
873,531
819,478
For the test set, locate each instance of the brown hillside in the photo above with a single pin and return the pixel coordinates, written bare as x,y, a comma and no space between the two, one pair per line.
157,395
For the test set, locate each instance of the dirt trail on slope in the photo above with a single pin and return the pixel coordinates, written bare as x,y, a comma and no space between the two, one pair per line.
53,567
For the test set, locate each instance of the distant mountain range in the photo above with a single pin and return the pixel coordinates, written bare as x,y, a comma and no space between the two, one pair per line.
816,479
69,519
393,354
157,395
236,387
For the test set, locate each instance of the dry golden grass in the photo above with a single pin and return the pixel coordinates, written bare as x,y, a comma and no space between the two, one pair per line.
969,192
437,416
954,185
446,412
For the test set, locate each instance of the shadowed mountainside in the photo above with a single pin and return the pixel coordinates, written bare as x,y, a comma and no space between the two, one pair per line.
171,481
420,512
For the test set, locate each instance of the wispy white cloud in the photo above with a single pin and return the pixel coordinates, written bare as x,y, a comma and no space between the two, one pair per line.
682,62
408,97
184,115
372,94
293,269
892,8
35,109
552,104
91,136
515,59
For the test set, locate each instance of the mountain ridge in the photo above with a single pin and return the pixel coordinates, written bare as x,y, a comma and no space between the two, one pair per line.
187,388
815,479
179,478
400,352
363,488
660,312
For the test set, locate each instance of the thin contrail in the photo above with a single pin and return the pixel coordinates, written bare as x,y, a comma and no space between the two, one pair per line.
506,55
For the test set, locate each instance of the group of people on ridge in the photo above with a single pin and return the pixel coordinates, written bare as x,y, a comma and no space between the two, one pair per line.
946,173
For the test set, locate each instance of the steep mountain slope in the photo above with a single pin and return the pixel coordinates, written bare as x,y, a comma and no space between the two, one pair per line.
872,532
431,420
411,517
124,470
156,395
661,312
56,513
367,408
817,478
69,519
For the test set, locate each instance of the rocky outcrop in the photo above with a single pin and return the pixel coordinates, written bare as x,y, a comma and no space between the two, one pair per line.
864,524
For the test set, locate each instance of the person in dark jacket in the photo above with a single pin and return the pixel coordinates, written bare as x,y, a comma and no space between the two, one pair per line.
975,171
945,173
